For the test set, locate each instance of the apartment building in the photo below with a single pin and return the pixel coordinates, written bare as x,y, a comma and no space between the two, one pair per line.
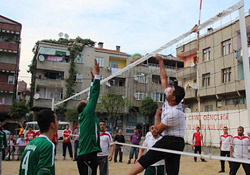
220,69
10,39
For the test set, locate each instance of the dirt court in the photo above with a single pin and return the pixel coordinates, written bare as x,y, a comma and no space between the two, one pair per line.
68,167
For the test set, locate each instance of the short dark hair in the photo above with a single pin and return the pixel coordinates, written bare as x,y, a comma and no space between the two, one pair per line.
241,128
179,93
44,119
80,107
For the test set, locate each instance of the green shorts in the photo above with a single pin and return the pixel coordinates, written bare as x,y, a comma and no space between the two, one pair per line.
155,170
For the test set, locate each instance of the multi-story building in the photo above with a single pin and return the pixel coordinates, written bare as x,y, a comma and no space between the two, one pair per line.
23,93
220,69
10,39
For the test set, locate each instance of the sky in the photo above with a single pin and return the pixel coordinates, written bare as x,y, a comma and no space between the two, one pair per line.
138,26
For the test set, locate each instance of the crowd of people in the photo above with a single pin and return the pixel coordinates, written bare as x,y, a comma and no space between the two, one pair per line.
94,146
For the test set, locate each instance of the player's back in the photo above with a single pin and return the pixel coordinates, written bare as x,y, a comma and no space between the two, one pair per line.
38,157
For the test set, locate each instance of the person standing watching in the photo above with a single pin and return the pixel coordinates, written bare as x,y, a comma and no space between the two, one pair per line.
118,148
158,167
103,157
239,149
225,143
3,144
89,139
21,143
11,147
196,143
38,157
67,142
30,135
76,141
135,139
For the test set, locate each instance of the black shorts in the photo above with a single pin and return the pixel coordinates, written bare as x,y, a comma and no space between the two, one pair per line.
171,160
87,164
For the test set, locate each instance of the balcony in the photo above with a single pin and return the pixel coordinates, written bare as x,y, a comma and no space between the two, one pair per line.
9,47
187,72
49,82
5,87
8,67
42,103
51,65
10,27
190,93
4,108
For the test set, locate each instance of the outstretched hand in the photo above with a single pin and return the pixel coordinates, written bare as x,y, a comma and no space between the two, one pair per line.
97,69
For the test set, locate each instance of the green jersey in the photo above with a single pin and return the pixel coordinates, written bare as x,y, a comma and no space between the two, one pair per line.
38,157
3,141
89,140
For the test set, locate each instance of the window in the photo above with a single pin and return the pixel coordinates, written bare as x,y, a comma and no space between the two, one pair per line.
158,97
140,77
1,38
208,108
100,61
78,78
226,47
207,54
235,101
205,80
139,95
117,82
226,75
113,64
156,79
79,59
11,79
78,97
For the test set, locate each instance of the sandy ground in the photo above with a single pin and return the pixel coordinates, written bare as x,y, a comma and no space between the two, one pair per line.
68,167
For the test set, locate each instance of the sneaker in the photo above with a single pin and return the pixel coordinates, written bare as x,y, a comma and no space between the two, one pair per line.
64,158
221,171
120,161
129,162
115,161
195,160
203,160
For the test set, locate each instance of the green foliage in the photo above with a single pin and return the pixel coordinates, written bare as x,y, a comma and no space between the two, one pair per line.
18,110
72,115
148,108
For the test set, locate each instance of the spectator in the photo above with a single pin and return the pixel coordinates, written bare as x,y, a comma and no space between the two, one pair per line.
3,144
21,143
239,149
76,141
225,142
103,157
196,143
67,142
119,148
11,147
135,139
55,140
30,135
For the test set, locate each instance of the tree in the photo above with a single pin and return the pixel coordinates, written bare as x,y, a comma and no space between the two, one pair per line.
148,108
72,115
18,110
114,106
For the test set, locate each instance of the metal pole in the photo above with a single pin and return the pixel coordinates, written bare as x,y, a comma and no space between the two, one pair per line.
243,35
52,104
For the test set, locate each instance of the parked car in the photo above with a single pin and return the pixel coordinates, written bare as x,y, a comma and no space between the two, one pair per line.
34,125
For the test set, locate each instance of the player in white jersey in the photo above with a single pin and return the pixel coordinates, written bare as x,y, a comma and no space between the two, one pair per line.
225,143
106,142
239,149
158,167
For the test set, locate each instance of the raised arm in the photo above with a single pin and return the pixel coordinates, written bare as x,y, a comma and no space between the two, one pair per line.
163,74
159,126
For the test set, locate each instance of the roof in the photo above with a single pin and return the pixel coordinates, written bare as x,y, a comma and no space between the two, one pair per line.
111,51
7,20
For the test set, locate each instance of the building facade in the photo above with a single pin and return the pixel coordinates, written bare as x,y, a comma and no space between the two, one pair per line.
10,39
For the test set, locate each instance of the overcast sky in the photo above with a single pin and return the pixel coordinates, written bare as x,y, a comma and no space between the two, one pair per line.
138,26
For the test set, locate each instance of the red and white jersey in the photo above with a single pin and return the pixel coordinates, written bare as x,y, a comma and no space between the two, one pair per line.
197,138
226,141
30,135
37,133
105,142
66,134
241,144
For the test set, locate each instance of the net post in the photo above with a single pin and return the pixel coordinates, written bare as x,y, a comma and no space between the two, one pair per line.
243,35
52,104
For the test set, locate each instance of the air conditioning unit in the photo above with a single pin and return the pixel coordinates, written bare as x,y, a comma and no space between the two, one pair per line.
109,68
190,64
219,104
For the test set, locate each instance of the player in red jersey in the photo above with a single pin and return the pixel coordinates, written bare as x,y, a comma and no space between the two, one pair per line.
196,143
30,135
67,142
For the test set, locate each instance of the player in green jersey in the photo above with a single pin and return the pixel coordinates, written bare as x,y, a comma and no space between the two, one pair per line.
38,157
89,140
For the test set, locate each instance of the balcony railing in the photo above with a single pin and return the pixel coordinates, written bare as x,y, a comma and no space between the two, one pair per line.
11,27
6,66
8,46
6,87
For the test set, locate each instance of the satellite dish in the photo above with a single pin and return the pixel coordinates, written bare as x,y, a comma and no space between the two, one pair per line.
60,34
41,58
36,96
66,35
